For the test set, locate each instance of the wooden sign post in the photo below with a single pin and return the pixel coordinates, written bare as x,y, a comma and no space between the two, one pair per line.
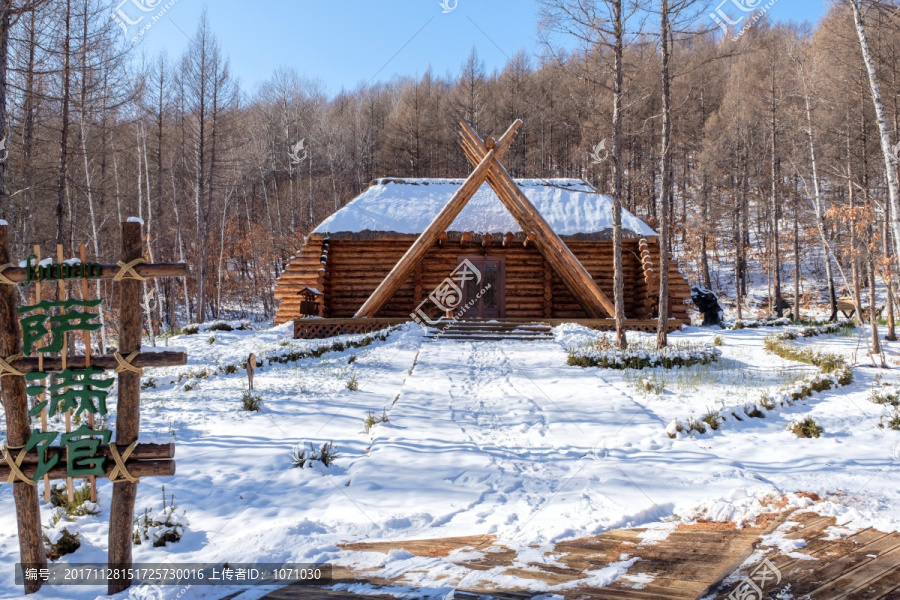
34,350
251,370
18,426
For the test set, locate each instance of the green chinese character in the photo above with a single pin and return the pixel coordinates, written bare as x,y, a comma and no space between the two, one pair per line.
36,390
80,393
34,327
42,442
33,330
81,451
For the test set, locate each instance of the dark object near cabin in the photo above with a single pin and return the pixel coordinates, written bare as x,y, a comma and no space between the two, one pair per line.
708,303
310,305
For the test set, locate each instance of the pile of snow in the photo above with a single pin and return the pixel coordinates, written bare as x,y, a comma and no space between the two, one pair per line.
55,533
408,206
755,323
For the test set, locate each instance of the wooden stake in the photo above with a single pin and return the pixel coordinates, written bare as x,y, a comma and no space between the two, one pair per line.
121,513
82,255
63,295
37,300
18,428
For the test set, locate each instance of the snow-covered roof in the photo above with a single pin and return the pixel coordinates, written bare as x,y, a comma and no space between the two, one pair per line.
407,206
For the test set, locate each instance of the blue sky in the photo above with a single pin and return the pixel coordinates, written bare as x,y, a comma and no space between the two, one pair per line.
348,42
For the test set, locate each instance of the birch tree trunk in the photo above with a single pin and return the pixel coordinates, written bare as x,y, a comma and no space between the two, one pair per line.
662,327
819,212
890,160
618,276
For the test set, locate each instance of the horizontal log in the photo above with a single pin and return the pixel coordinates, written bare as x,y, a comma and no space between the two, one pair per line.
371,321
302,273
141,452
149,360
138,468
147,270
295,290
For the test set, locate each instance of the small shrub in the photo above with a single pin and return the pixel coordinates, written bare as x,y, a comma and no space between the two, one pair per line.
605,354
192,329
352,359
211,340
753,412
81,504
718,341
58,539
251,402
652,385
845,377
674,428
230,369
807,428
328,454
821,384
301,458
893,420
352,383
221,327
150,383
713,419
371,420
695,425
885,398
160,528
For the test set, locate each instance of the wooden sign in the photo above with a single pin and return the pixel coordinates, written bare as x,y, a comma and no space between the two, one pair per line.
251,369
40,380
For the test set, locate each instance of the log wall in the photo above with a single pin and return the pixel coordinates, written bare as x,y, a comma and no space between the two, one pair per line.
308,269
348,271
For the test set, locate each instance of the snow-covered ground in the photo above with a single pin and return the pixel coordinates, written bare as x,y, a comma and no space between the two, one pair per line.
499,438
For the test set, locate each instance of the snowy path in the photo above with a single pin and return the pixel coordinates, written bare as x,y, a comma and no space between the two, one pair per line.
504,438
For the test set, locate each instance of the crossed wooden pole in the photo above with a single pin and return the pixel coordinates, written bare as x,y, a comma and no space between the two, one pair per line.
486,157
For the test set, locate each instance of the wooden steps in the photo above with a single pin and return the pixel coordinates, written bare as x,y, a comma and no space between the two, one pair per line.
489,331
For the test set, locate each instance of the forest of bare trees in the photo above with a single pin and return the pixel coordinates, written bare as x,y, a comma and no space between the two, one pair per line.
757,157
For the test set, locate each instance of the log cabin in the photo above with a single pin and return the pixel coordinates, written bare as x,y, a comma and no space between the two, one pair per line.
347,261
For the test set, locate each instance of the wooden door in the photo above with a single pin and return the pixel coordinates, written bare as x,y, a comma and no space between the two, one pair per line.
488,296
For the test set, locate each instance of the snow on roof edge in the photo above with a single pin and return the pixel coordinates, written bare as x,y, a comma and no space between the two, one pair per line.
570,206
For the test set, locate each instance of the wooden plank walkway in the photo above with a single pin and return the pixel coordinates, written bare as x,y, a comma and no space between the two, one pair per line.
691,563
863,565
